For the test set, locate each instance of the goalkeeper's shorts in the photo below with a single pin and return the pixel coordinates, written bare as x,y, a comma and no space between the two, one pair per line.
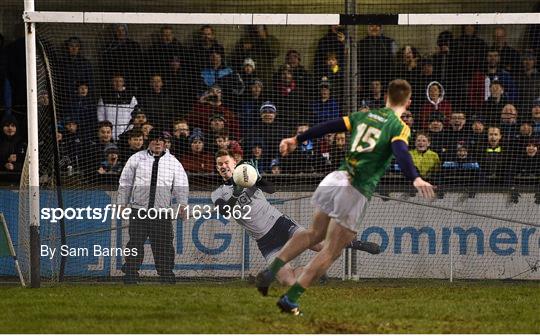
272,242
336,197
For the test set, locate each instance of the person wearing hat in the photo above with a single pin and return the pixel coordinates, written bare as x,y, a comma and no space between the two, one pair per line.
12,147
197,160
152,179
248,73
111,164
267,130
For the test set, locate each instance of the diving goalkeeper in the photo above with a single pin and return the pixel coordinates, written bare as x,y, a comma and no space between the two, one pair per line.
270,228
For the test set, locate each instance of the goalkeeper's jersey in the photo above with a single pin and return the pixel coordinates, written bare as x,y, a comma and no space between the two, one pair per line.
258,215
370,151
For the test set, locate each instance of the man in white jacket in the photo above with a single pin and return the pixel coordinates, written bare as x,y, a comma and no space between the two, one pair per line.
151,180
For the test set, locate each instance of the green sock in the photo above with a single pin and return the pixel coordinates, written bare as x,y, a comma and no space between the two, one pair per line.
276,265
295,291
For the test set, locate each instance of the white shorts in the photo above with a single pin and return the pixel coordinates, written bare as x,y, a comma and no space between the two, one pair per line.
336,197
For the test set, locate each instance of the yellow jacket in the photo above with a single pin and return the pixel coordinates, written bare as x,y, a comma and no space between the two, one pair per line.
427,162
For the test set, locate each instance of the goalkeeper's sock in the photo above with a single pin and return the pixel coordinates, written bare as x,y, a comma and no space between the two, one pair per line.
294,292
275,266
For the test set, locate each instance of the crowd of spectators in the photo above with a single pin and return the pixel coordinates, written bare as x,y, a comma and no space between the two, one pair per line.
475,110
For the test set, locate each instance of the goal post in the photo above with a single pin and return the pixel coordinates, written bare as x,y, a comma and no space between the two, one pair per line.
478,228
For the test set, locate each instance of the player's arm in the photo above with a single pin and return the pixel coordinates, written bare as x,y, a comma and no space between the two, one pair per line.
265,186
404,159
332,126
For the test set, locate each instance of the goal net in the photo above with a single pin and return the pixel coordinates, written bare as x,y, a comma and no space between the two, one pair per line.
227,82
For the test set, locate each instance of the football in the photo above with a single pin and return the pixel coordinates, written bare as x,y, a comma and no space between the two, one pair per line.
245,175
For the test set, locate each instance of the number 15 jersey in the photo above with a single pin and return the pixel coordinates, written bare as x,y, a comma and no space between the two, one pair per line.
370,150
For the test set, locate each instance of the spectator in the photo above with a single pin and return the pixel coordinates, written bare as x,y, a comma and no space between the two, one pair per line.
111,165
529,162
426,161
509,124
82,107
198,160
462,169
263,162
222,141
332,42
145,129
408,119
376,55
509,56
435,104
210,103
73,143
435,132
75,69
96,147
151,179
163,51
494,159
304,159
288,96
424,77
135,143
204,44
16,73
116,105
535,111
217,128
455,136
260,46
268,130
138,119
528,80
236,150
275,167
249,110
217,73
12,147
478,136
525,135
478,91
407,63
470,53
326,107
493,106
123,55
180,140
182,85
375,98
334,74
301,76
337,150
157,102
444,68
247,72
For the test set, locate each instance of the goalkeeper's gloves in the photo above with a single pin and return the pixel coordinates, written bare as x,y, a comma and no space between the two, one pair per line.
237,191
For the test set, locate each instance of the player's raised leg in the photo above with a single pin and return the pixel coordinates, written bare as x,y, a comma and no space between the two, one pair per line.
337,239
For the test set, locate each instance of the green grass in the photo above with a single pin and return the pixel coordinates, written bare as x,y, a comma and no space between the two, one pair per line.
407,306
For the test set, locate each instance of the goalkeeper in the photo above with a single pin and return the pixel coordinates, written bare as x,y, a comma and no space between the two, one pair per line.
266,224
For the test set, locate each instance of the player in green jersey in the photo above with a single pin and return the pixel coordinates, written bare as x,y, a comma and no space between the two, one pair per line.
342,196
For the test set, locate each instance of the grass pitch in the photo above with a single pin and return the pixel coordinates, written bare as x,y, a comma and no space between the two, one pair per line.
404,306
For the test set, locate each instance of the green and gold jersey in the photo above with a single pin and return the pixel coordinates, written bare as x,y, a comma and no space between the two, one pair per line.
370,151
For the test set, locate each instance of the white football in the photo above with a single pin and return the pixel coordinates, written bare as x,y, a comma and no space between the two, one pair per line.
245,175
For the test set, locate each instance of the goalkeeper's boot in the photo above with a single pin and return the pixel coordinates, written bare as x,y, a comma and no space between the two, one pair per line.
263,281
369,247
287,306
